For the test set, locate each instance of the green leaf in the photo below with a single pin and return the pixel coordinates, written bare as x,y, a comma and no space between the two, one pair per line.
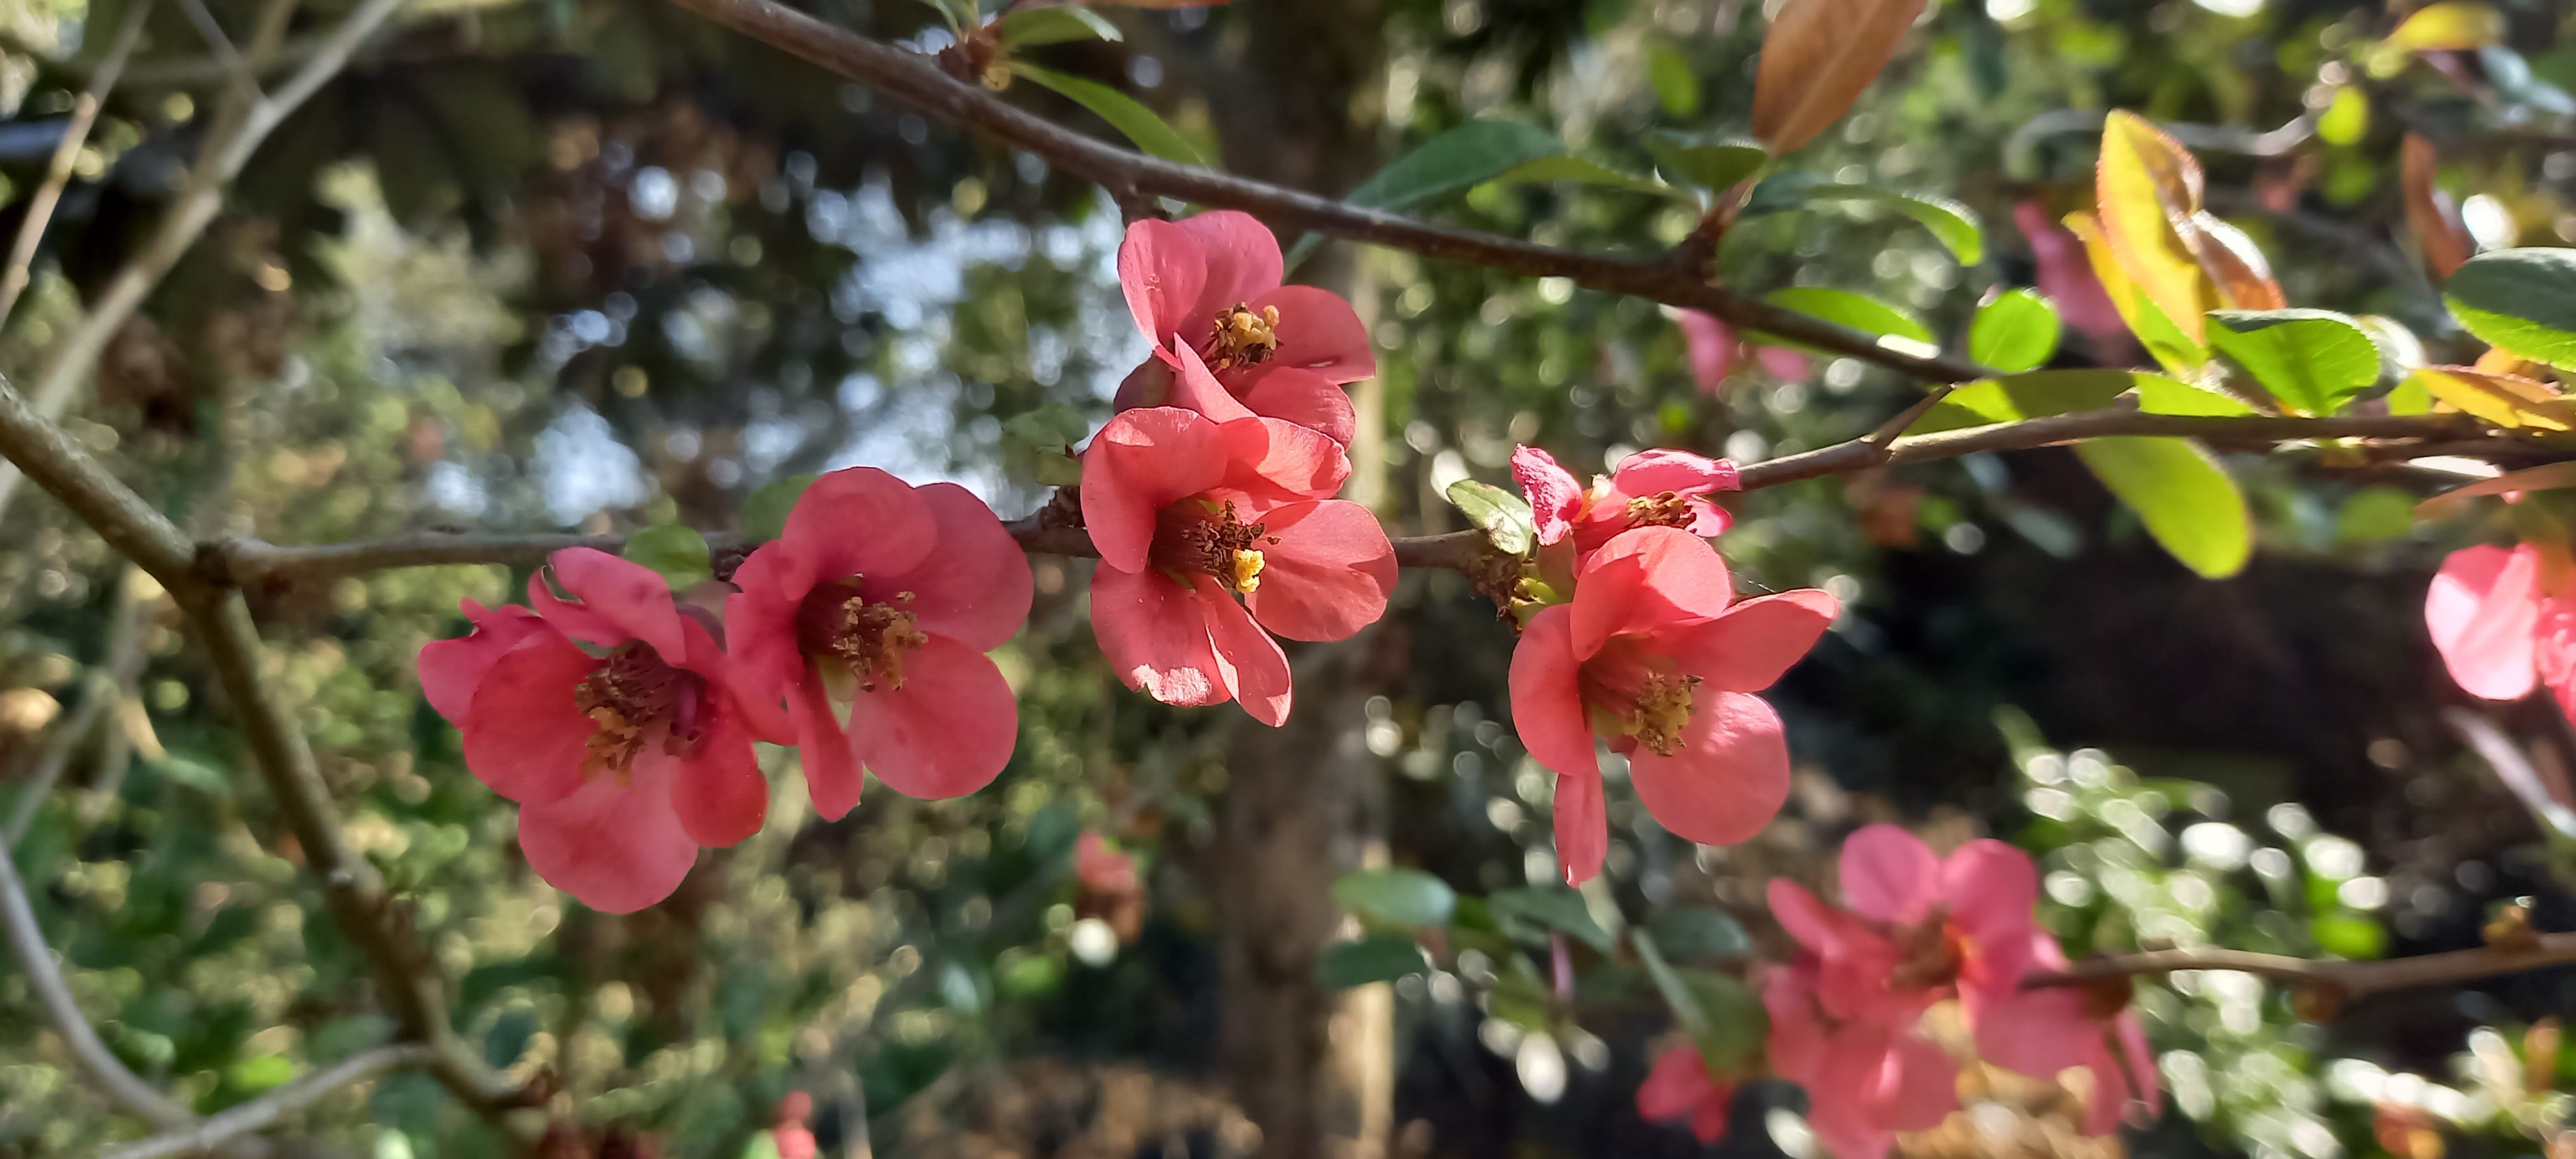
1124,113
1053,425
1505,518
764,514
2026,396
2014,331
2311,360
2159,395
764,1145
1953,224
1676,85
1868,315
1057,469
1396,897
1469,155
2520,300
1591,173
2349,935
1686,931
1375,958
1552,908
1715,167
2188,503
1723,1016
266,1072
679,553
1053,24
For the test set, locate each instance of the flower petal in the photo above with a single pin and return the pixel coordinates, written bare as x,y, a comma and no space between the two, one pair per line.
947,732
1154,636
524,733
831,768
2035,1032
861,521
1555,495
1248,662
1650,580
1681,472
1991,889
1919,1086
1276,461
1327,572
1750,645
619,601
1807,920
1582,827
1305,398
2482,609
449,669
1150,384
1319,332
1675,1085
1728,778
1143,461
1547,697
617,847
1195,388
1242,260
1889,875
974,586
765,661
1163,269
718,791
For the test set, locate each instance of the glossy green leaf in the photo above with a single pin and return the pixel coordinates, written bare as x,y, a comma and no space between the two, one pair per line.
764,514
679,553
1469,155
1951,223
2015,331
1396,897
1690,931
1053,24
1505,518
1591,173
2026,396
1124,113
2159,395
1374,958
1676,84
1711,166
1536,911
1865,314
2313,361
2188,503
2520,300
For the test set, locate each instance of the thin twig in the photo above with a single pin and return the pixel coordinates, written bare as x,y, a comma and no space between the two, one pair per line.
110,681
216,1129
2340,980
58,171
231,58
27,943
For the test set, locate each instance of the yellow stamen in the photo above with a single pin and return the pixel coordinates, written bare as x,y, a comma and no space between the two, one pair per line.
1245,574
1662,709
1662,509
1243,338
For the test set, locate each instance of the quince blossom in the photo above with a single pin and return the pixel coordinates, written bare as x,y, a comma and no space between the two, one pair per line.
1210,285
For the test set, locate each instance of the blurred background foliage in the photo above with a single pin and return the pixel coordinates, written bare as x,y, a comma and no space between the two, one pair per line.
547,264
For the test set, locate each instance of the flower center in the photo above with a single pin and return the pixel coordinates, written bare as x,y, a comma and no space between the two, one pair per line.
1933,954
1226,547
1243,338
1661,709
839,622
632,693
1661,509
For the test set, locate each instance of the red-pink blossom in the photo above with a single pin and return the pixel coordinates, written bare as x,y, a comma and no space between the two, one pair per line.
1656,656
1714,348
2046,1030
1190,511
2505,620
1210,285
1658,488
1101,868
2066,278
610,717
792,1138
1866,1079
1680,1088
870,617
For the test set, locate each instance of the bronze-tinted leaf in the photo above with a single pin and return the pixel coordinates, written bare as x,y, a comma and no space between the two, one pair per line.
2430,214
2505,400
1816,58
2147,188
2235,266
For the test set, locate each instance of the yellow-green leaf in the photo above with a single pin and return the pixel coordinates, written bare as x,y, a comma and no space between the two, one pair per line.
2148,188
2505,400
2451,26
2187,502
2014,331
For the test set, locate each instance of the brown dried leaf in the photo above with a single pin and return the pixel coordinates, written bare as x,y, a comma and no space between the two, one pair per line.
2430,215
1816,58
2235,265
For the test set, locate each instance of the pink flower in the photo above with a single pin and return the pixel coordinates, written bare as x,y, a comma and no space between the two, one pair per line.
1190,511
611,719
1680,1087
2066,278
1210,285
2502,625
1866,1079
1657,657
879,601
793,1139
1660,488
1714,349
1100,868
2049,1029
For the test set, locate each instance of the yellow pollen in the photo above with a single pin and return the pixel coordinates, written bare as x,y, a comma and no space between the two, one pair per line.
1662,509
1244,574
874,638
626,695
1243,338
1661,711
1227,548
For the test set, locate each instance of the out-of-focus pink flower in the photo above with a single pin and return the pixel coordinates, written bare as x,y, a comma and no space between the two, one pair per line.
880,601
2505,620
2066,277
611,718
1714,348
1657,657
1210,285
2049,1029
1191,510
1866,1078
792,1138
1658,488
1101,868
1680,1088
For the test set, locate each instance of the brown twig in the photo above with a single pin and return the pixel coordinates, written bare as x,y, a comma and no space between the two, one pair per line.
2339,980
27,943
58,171
217,1129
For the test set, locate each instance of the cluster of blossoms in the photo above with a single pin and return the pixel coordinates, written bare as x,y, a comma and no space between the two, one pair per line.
1916,929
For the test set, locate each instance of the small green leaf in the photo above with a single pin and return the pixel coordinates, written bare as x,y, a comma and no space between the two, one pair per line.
1676,85
2188,503
679,553
2311,360
1591,173
1868,315
2036,394
1505,518
2520,300
265,1072
1715,167
1124,113
1057,469
1053,425
2349,936
1953,224
1555,908
2014,331
1686,931
1053,24
1375,958
1396,897
764,514
1724,1018
2159,395
1469,155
